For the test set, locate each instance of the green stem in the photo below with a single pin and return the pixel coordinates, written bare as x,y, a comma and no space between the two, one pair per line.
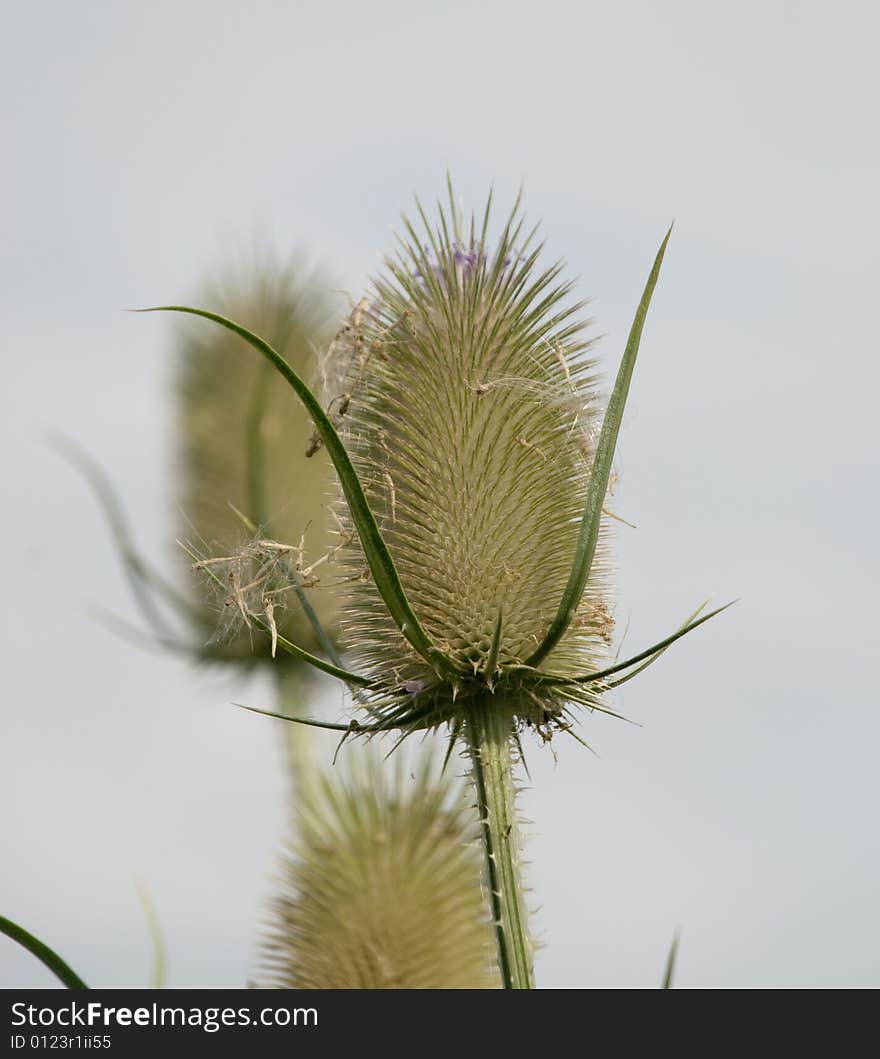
490,733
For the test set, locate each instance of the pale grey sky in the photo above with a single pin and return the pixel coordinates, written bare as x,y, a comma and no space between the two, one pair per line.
143,140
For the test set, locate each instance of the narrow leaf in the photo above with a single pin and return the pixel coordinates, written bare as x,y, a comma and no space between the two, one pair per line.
598,485
43,953
653,658
659,647
670,963
309,722
403,721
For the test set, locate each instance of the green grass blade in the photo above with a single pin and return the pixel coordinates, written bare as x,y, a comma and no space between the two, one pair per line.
670,963
43,953
598,485
375,550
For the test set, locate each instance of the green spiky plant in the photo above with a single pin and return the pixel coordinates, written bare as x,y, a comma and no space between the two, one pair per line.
251,477
474,470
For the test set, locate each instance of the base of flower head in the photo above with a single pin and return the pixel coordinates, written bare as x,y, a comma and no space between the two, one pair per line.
521,695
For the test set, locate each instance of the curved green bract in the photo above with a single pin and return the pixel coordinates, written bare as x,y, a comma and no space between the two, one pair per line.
598,487
309,722
404,720
659,653
654,650
37,948
304,656
375,550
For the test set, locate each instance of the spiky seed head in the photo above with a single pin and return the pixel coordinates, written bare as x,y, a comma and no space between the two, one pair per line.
242,452
380,888
473,415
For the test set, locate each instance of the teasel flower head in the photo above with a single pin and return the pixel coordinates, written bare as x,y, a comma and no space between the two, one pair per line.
257,521
474,462
472,423
380,886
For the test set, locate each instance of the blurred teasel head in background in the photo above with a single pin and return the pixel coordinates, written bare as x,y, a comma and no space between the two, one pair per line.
472,417
380,887
256,512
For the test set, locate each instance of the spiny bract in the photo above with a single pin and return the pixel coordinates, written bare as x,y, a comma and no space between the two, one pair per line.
471,419
381,886
243,440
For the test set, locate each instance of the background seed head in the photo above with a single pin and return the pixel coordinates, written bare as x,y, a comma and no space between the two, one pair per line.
243,442
472,417
380,888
